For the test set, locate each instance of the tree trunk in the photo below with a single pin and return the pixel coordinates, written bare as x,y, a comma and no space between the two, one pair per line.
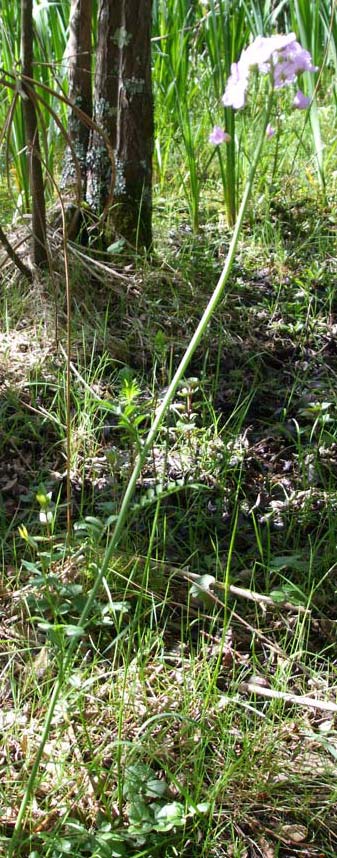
40,254
78,60
123,107
133,184
99,165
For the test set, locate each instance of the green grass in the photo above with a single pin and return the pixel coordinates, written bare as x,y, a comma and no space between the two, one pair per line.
225,572
157,746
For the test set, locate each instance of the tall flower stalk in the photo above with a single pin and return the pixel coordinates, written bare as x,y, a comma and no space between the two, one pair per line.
139,463
268,55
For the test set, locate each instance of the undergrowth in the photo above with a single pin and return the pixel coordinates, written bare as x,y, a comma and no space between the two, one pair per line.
197,715
164,740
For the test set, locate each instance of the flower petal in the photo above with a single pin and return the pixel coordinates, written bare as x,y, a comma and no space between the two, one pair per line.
235,92
218,135
301,101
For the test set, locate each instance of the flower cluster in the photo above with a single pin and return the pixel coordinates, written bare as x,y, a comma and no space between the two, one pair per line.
281,55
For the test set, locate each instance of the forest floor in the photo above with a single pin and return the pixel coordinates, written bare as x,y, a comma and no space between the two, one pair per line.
199,714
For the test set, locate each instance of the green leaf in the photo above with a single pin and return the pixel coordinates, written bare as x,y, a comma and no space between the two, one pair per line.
73,631
116,246
140,815
31,567
57,628
201,587
112,845
155,788
277,596
169,816
203,807
119,607
288,593
290,561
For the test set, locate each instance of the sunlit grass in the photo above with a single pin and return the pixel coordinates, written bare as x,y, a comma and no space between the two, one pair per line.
240,488
158,745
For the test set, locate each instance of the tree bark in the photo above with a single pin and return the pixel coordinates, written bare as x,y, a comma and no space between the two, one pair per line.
39,230
78,60
123,107
132,199
100,172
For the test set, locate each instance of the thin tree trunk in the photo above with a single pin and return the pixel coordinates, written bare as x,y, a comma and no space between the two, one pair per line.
132,213
40,254
80,90
99,166
123,107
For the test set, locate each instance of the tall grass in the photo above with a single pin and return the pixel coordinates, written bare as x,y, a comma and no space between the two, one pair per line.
176,88
307,22
50,29
50,42
194,45
225,30
11,107
193,52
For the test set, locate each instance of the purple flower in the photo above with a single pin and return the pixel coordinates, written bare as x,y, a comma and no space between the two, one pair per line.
218,135
291,61
263,49
301,102
235,92
270,131
280,54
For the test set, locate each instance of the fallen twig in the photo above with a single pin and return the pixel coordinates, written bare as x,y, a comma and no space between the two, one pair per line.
244,593
296,699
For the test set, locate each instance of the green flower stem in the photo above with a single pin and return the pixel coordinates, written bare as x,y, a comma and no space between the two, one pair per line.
230,186
14,846
140,460
193,344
